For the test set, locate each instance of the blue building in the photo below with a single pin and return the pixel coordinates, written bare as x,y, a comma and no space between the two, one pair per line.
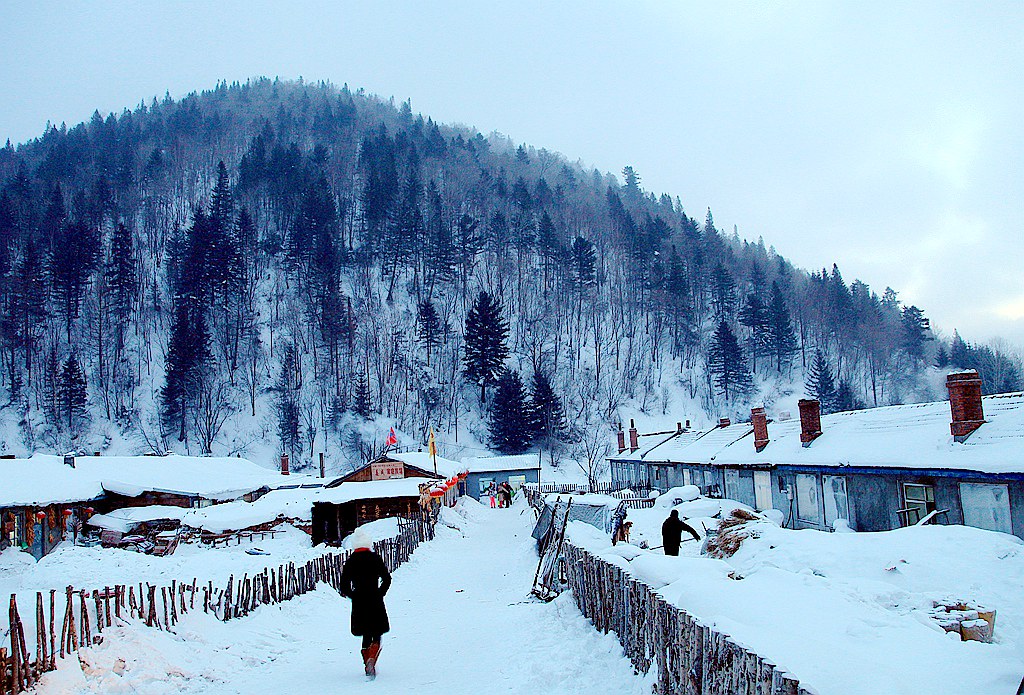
514,470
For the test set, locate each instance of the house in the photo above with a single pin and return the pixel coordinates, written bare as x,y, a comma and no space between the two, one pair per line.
46,498
954,462
338,510
514,470
408,464
674,458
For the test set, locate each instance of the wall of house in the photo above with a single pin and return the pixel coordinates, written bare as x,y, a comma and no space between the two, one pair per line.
112,501
475,480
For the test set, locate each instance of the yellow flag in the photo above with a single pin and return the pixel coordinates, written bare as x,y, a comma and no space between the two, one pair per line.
431,444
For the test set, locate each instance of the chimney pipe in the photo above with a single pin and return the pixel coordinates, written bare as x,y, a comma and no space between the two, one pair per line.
687,424
964,403
634,437
679,427
760,422
284,464
724,422
810,420
622,439
69,460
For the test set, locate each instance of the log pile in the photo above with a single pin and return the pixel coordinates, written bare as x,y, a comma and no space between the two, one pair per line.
88,613
971,621
690,658
732,531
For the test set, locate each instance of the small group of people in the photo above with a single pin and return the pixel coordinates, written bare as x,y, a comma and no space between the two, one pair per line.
671,530
500,494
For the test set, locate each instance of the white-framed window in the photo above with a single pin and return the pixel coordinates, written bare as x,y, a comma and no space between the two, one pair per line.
918,500
834,498
987,506
807,498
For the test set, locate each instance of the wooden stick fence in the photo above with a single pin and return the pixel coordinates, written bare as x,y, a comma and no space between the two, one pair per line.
691,658
162,607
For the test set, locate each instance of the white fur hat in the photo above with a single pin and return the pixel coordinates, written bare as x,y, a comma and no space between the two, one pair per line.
359,539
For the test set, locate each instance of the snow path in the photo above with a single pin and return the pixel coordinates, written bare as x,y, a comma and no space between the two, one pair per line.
461,623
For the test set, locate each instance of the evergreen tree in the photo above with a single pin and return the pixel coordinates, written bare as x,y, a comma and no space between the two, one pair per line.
485,349
584,260
723,293
820,384
71,262
429,327
941,357
511,425
845,398
546,410
288,386
781,339
754,315
361,398
188,359
72,396
548,245
915,332
727,365
122,281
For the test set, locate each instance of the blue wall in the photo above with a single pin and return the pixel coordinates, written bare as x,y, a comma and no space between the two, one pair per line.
473,480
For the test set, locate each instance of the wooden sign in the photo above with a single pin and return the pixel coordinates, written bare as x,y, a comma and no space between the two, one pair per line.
387,470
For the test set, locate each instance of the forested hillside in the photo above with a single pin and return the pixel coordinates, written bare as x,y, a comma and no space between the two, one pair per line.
278,266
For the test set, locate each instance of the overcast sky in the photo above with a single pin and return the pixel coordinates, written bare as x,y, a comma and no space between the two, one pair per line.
887,140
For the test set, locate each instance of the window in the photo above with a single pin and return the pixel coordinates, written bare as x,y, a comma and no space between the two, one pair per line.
686,476
918,500
986,506
516,481
762,490
836,502
807,498
484,484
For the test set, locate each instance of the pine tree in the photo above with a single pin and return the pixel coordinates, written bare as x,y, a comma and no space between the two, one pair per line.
914,332
122,281
820,384
846,399
511,427
942,357
188,359
72,396
781,339
727,364
288,385
754,315
361,398
546,410
723,293
429,327
485,348
584,260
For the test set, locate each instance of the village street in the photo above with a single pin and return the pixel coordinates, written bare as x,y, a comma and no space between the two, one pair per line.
462,622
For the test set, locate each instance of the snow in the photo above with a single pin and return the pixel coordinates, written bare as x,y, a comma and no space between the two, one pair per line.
371,489
376,530
847,612
905,436
676,495
232,516
45,479
462,623
446,468
490,464
124,520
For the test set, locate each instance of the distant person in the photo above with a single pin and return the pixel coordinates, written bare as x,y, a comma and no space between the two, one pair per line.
492,491
618,519
365,579
672,533
509,492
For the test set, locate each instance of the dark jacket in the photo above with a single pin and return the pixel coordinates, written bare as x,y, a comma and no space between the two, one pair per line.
672,533
365,579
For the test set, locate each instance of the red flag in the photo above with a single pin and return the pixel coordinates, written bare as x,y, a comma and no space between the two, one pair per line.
391,440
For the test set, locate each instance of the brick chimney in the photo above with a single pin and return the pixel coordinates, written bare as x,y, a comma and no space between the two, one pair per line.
810,420
679,427
622,439
634,437
284,464
760,422
724,422
964,403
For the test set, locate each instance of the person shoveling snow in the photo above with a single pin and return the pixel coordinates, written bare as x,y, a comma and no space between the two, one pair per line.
672,533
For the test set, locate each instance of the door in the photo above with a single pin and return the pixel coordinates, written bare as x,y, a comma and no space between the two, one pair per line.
686,476
762,490
986,506
836,502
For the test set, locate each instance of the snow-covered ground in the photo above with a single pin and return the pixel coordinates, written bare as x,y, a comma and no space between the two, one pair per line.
462,622
847,612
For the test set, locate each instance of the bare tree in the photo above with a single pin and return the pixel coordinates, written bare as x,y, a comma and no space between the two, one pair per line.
591,447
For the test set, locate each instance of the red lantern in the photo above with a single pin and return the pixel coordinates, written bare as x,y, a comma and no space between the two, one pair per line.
436,492
462,475
67,513
40,515
89,511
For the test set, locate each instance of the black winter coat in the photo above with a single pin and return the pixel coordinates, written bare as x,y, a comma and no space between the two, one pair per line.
365,579
672,533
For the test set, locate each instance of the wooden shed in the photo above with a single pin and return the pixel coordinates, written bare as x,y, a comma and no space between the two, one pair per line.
338,510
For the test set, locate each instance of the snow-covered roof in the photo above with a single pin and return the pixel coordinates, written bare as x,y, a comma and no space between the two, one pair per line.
695,447
234,516
446,468
489,464
124,520
655,447
372,489
900,436
44,479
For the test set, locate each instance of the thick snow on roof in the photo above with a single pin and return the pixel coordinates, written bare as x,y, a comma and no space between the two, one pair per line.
900,436
446,468
124,520
488,464
659,448
700,448
44,479
372,489
234,516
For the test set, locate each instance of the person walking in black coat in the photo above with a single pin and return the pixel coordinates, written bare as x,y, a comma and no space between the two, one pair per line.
672,533
365,579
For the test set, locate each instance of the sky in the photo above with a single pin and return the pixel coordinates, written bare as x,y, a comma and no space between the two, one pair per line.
885,137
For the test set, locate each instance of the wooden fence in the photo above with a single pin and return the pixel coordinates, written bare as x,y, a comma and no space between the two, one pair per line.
162,606
580,488
691,658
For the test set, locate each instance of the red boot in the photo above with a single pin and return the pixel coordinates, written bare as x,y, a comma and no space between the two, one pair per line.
370,658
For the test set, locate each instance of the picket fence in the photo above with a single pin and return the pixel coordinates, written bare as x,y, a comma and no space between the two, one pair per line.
162,606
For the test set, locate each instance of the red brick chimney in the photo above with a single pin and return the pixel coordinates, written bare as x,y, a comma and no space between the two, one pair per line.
760,422
284,464
622,439
964,403
810,420
724,422
634,437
